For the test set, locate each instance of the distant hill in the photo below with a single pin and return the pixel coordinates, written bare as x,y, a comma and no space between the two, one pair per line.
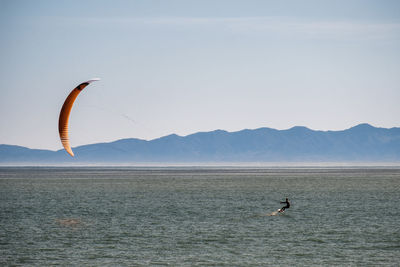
362,143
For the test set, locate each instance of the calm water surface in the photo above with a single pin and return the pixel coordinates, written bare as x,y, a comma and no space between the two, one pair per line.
199,217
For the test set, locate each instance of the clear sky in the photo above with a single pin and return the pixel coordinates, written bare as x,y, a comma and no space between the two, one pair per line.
188,66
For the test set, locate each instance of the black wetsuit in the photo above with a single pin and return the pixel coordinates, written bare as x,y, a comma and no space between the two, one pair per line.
287,205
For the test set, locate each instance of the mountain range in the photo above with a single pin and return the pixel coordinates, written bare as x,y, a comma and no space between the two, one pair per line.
361,143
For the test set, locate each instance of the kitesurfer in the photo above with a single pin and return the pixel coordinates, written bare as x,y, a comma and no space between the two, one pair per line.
285,207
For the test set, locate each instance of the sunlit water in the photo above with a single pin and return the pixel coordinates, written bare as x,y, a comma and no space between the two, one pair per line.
199,217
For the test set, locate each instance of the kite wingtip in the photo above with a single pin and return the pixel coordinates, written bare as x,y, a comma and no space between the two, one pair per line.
69,151
93,80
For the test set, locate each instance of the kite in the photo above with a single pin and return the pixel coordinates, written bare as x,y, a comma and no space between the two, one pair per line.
65,112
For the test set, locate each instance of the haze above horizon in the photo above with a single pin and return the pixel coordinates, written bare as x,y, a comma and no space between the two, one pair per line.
194,66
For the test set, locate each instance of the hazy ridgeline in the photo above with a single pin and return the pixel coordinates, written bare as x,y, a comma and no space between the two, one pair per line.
362,143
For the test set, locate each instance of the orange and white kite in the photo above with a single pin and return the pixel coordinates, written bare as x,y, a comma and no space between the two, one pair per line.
64,114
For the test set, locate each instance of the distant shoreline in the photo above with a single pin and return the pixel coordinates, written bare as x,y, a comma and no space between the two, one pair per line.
218,165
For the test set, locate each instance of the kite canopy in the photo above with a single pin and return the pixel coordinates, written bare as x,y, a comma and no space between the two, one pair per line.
64,114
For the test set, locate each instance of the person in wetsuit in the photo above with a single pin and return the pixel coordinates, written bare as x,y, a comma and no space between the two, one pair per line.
287,205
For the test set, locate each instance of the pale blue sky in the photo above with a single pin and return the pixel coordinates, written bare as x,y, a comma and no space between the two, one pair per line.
187,66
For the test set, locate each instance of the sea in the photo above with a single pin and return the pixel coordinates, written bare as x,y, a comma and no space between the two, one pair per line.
199,216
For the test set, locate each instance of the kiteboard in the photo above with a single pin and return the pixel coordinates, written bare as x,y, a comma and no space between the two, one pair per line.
275,213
